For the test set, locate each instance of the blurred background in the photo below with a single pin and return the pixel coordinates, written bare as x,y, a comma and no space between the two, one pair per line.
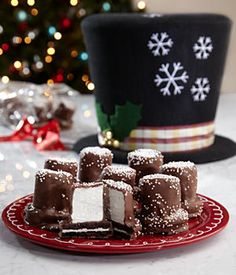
41,41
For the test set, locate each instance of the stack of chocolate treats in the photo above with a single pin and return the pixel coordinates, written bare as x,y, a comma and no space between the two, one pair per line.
146,197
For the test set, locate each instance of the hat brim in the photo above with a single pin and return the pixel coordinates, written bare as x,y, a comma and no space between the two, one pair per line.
222,148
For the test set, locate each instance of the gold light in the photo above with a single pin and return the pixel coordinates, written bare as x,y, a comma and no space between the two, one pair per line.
48,59
17,64
30,2
50,82
27,40
14,3
141,5
1,51
34,12
74,53
85,77
51,51
74,2
5,79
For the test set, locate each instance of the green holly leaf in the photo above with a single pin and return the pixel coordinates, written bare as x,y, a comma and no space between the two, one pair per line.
103,119
125,119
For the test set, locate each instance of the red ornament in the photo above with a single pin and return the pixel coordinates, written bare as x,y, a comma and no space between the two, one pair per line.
66,23
5,46
59,77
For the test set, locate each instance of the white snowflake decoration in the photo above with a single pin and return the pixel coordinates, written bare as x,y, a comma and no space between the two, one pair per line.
203,47
160,43
171,79
200,89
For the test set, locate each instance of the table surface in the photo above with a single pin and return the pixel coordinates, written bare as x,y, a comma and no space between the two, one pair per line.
217,255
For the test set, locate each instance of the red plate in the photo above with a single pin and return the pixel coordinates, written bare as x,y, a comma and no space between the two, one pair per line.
212,220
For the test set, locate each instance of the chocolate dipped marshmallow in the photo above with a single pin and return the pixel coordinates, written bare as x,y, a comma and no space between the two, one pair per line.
62,164
161,205
186,171
92,161
52,201
119,173
145,162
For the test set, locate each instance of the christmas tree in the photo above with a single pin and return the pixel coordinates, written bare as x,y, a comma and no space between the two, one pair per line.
41,40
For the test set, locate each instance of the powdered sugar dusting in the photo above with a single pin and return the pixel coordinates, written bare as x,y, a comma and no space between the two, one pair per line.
63,161
46,172
95,151
159,176
179,164
122,171
120,185
58,176
144,156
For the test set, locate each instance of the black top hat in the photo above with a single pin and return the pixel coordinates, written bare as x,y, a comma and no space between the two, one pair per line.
157,80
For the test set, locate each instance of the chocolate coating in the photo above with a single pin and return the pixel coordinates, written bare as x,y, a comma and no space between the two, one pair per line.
92,161
161,205
145,162
119,173
59,164
187,173
52,200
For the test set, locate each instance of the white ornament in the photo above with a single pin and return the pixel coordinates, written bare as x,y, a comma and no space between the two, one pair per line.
203,47
160,43
200,89
171,79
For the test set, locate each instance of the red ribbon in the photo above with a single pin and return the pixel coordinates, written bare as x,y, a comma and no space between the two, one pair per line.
46,137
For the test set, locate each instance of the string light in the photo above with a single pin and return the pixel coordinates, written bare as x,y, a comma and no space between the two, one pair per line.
22,15
106,6
50,82
14,3
26,71
27,40
48,59
84,56
17,64
16,39
51,51
57,35
34,12
5,79
39,65
141,5
74,2
81,12
31,35
91,86
1,51
74,53
85,77
30,2
1,29
51,30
